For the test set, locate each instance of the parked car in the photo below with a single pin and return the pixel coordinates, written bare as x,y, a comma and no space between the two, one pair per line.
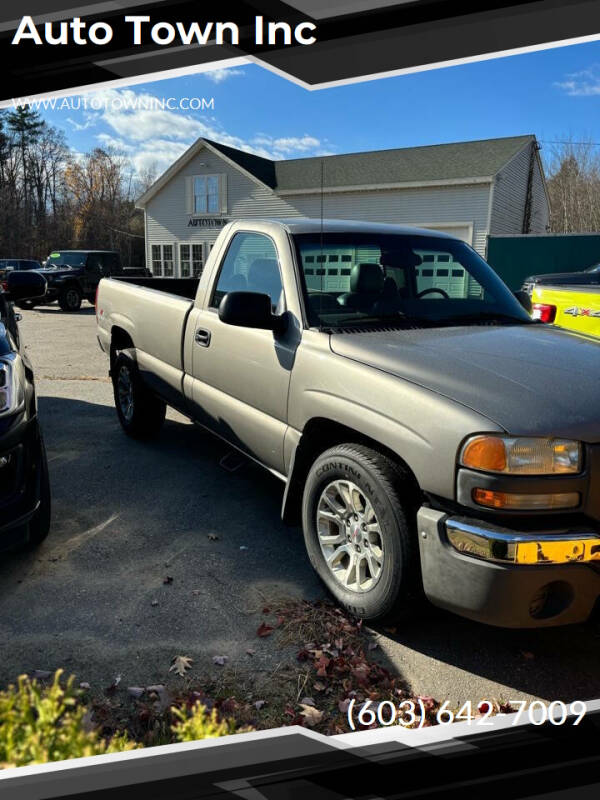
9,264
573,307
24,483
587,277
73,275
433,439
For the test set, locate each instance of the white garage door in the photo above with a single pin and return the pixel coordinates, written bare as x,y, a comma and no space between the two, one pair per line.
460,231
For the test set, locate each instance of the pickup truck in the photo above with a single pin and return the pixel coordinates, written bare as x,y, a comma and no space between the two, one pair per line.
586,277
24,481
434,441
73,275
574,307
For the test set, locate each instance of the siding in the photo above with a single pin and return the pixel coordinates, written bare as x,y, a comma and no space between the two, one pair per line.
167,219
510,195
439,204
540,211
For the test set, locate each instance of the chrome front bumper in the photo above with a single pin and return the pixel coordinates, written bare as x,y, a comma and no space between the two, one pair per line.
509,578
502,546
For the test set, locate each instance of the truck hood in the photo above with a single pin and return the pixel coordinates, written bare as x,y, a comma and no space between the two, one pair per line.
565,277
528,379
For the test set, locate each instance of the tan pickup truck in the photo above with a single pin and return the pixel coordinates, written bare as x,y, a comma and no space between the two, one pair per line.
433,439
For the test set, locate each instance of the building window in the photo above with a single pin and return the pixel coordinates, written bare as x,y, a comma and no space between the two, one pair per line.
191,260
206,194
162,260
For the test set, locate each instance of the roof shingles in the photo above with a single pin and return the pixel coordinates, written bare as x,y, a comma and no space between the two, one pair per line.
462,160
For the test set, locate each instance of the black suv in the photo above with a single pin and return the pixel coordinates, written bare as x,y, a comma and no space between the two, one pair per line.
73,275
24,483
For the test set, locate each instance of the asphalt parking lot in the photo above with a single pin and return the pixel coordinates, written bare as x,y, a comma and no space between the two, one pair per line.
127,515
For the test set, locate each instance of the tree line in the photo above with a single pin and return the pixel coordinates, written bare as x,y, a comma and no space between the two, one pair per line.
573,180
52,198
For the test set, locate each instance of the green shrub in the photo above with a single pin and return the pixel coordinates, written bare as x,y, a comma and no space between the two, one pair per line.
199,724
40,724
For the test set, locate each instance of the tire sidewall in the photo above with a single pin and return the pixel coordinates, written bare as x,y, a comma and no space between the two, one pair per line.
120,362
378,601
65,305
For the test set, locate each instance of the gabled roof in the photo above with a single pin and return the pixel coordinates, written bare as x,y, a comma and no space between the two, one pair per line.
443,163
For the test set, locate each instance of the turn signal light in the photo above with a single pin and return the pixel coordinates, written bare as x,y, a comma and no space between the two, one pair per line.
544,312
525,502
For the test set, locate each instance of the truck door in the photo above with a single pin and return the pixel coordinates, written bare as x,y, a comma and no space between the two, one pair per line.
92,272
241,376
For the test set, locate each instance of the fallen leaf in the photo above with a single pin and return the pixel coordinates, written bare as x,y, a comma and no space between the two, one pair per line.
526,654
84,685
135,691
307,701
220,660
303,655
320,687
264,630
168,579
250,652
343,705
373,646
180,665
259,704
312,716
266,610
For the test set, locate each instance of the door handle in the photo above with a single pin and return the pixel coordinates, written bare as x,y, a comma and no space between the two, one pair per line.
202,337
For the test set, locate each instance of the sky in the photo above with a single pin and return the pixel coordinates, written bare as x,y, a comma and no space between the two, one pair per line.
554,94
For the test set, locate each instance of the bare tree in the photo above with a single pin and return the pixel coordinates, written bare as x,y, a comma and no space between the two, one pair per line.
573,179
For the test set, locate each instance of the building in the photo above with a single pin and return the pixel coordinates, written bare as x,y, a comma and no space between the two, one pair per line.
469,189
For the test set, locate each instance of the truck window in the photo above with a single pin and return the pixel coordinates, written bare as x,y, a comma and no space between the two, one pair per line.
250,265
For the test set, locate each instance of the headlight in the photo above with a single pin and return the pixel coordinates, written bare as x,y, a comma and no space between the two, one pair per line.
11,389
521,455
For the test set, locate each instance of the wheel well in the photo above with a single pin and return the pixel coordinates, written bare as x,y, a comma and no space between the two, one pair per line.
320,434
120,340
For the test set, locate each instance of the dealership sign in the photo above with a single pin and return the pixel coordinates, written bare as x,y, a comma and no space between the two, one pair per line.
207,222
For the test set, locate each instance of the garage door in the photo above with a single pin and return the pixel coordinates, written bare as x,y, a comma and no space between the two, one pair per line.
464,232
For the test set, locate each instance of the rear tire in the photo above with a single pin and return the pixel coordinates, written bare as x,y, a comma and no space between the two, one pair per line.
359,531
70,298
140,412
39,525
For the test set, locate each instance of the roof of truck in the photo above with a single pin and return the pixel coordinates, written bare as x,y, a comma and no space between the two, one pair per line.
306,225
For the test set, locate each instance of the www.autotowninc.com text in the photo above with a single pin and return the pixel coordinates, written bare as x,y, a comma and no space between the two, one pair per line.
116,102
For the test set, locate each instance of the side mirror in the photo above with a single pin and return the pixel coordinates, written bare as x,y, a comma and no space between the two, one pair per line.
248,310
26,284
525,300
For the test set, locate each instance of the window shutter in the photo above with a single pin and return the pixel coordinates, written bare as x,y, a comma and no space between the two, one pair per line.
223,192
189,195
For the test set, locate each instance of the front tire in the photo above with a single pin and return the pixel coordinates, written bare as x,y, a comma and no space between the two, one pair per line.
70,298
359,532
140,412
39,525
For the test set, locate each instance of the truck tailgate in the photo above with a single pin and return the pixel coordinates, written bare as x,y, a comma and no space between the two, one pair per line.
577,307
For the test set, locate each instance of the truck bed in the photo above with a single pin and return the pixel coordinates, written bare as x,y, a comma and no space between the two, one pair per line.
182,287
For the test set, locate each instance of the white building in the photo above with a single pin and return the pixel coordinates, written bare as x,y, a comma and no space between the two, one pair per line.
469,189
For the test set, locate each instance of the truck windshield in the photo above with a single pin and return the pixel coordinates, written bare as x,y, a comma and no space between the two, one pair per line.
353,279
66,259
